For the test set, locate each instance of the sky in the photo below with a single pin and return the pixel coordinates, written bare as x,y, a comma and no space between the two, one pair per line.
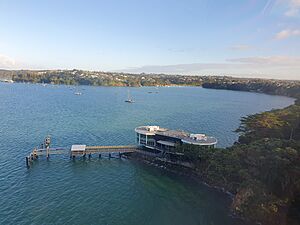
246,38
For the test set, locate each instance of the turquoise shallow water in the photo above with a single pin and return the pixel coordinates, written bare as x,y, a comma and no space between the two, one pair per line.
111,191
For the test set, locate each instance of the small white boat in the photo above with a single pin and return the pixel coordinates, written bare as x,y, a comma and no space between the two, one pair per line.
77,93
129,99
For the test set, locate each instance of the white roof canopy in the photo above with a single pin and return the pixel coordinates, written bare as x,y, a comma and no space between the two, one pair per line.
78,147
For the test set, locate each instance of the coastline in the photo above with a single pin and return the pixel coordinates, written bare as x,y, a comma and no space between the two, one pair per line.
238,197
188,173
295,98
176,169
204,179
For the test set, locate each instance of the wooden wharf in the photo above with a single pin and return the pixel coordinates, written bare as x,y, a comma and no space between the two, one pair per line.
77,150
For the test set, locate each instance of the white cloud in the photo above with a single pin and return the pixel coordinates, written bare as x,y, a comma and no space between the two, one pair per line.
269,60
268,6
287,33
281,67
6,62
292,12
293,8
240,47
296,2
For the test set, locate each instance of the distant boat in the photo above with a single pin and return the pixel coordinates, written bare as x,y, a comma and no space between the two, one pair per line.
129,99
77,93
7,81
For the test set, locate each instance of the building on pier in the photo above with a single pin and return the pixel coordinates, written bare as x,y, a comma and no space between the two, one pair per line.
162,140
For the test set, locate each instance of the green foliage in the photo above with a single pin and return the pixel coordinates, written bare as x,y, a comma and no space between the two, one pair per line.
283,123
267,168
262,169
79,77
275,87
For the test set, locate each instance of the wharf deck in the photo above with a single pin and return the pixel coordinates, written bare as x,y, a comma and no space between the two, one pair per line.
86,150
105,149
79,150
52,151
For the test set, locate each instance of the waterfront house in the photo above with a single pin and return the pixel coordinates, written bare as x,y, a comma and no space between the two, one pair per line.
164,141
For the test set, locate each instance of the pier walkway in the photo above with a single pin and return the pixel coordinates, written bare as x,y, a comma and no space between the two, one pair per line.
78,150
85,150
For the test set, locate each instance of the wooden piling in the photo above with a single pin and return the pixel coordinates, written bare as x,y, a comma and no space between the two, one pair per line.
27,161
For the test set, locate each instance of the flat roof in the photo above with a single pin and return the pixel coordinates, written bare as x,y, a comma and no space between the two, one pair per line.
206,141
78,147
184,136
173,133
148,130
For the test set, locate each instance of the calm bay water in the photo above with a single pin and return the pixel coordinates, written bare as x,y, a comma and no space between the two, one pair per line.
111,191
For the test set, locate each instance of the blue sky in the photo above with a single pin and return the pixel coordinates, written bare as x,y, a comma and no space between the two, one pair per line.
252,38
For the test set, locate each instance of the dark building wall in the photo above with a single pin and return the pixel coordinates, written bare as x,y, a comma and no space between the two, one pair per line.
158,137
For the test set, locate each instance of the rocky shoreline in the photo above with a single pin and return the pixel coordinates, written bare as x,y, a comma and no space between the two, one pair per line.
190,173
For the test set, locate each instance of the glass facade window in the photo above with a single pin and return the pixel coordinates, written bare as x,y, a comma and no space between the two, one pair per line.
151,142
143,139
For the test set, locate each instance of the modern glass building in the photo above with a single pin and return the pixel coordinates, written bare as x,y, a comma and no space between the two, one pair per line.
160,139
